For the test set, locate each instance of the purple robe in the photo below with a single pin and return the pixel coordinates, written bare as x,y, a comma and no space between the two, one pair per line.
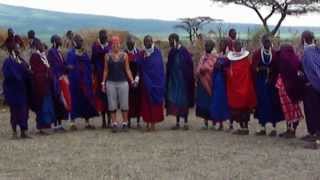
16,88
58,68
81,87
97,59
288,65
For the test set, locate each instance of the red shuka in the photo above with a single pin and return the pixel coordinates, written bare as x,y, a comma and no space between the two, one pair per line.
240,90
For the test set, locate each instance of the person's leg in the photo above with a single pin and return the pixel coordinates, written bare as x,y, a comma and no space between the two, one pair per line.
109,119
13,123
231,124
148,127
186,126
309,109
220,128
112,104
232,119
125,120
273,132
138,122
291,130
114,121
288,128
23,121
205,125
104,123
153,127
262,131
129,122
88,125
123,96
177,126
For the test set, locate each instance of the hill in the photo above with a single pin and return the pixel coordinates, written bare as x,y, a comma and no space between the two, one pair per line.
46,23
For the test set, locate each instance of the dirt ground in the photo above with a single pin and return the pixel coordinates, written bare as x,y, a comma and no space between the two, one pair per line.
165,155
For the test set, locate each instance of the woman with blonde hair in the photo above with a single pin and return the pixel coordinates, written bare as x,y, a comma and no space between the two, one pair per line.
115,83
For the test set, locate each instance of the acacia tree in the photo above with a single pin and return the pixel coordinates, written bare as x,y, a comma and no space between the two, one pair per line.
282,7
193,25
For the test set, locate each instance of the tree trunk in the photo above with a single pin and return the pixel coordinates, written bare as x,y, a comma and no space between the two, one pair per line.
277,27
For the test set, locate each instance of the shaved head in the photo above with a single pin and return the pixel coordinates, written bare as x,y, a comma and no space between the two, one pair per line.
307,37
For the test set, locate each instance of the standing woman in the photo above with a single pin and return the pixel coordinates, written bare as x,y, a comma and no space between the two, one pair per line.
265,74
16,87
204,86
219,109
116,72
81,88
62,97
134,92
42,86
290,88
240,88
152,83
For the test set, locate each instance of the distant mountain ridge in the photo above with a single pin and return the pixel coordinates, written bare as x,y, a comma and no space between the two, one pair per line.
46,23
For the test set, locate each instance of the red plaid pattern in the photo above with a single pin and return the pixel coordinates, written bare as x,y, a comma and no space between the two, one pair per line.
291,111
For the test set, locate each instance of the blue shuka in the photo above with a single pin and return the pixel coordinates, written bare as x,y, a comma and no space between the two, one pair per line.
219,109
179,82
81,87
152,70
268,102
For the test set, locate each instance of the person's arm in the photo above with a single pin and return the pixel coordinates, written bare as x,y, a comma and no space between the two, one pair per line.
127,68
105,72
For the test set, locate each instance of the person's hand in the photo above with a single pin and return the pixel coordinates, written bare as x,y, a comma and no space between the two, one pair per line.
136,81
134,84
70,67
103,87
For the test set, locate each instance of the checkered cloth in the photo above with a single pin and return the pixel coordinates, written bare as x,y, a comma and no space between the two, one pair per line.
292,111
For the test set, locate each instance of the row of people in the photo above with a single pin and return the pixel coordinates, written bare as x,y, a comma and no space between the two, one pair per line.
230,84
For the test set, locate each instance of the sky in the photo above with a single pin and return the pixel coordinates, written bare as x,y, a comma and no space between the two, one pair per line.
160,9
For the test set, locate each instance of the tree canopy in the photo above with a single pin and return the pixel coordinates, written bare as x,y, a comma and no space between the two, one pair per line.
193,25
282,7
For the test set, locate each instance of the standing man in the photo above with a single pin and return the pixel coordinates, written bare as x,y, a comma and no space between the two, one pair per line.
231,40
99,50
153,84
62,97
68,41
311,100
81,88
32,39
13,41
180,82
265,73
134,92
16,88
